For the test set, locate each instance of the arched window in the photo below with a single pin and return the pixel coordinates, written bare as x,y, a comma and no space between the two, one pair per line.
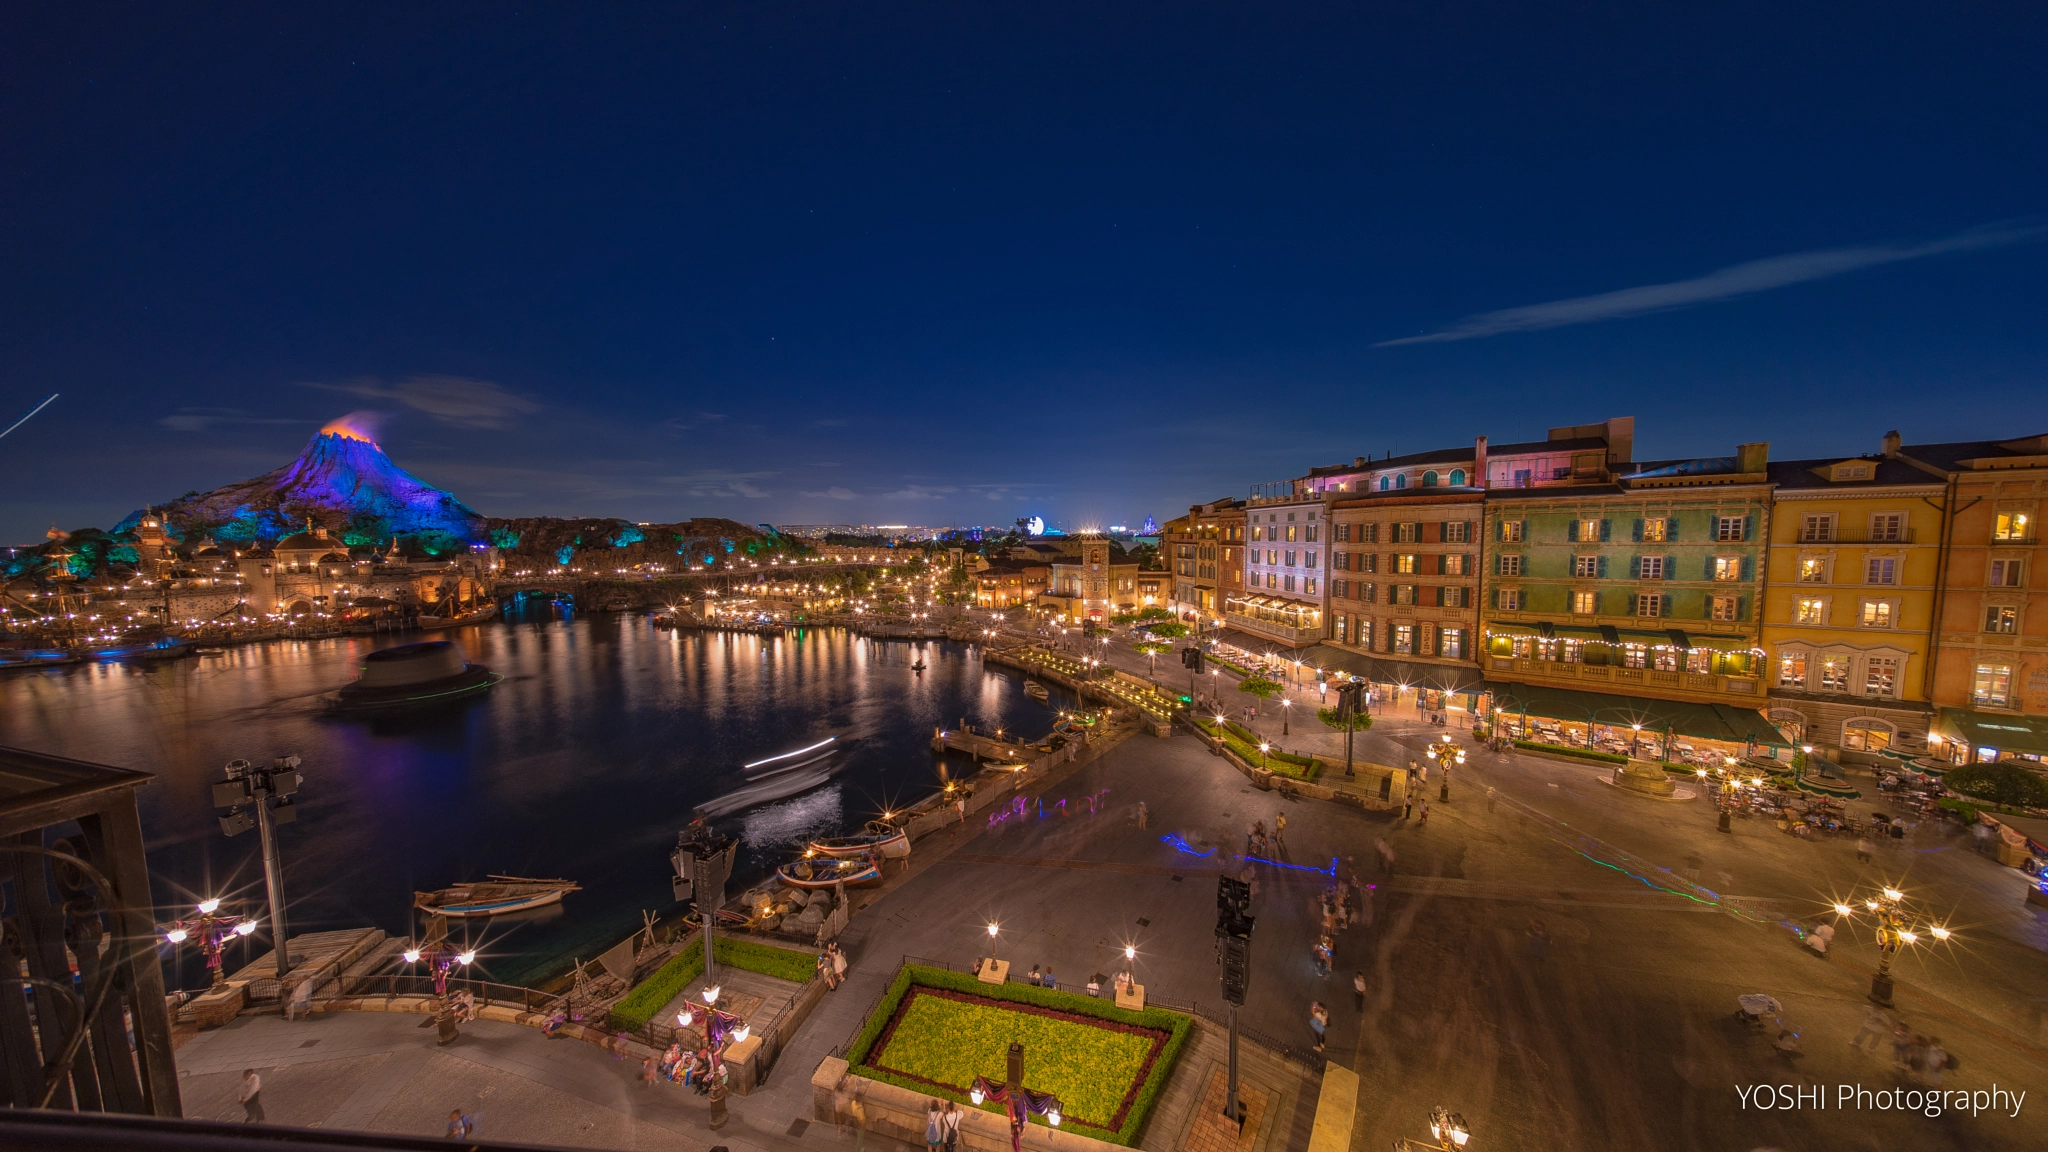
1457,477
1429,478
1383,483
1792,725
1867,734
1400,481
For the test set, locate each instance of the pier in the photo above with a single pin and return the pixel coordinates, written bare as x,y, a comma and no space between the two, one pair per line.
981,746
1119,689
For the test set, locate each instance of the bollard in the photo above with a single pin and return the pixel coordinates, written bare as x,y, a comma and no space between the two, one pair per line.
717,1097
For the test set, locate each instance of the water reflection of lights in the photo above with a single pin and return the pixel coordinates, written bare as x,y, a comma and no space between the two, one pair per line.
795,820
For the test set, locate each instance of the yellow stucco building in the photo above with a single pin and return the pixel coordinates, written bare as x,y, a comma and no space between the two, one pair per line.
1854,560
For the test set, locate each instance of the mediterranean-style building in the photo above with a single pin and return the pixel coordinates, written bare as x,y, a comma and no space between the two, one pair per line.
1285,552
1404,589
1204,551
1854,561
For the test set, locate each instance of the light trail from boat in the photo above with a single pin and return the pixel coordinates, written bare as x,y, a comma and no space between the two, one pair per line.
787,755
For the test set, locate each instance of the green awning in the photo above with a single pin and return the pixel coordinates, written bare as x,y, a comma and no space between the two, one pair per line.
1704,721
1999,730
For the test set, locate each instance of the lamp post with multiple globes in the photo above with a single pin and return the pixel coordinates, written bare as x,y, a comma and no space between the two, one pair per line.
1897,928
213,930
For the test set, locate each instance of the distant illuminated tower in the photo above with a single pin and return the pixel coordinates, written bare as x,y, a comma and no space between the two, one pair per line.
1095,574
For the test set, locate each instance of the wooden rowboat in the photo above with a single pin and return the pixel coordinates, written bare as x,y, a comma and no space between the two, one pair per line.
887,839
815,874
494,897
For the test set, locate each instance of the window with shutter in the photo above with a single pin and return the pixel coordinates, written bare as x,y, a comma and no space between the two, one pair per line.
1748,527
1636,534
1606,529
1671,567
1574,531
1603,567
1635,566
1748,568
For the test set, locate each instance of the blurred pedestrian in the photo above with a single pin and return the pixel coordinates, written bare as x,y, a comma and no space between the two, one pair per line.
1358,990
1876,1026
1318,1022
1933,1060
250,1097
460,1126
1280,834
1142,814
1489,799
1864,849
1424,817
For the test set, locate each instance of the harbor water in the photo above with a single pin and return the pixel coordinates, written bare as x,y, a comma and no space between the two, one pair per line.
583,763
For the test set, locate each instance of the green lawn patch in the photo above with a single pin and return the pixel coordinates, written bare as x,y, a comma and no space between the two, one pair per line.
935,1031
671,978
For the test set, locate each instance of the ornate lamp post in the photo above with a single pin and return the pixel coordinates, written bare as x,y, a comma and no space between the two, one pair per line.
441,958
213,930
1897,927
1447,1130
1019,1103
1445,753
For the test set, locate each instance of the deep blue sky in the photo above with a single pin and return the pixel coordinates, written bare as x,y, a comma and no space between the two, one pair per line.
967,262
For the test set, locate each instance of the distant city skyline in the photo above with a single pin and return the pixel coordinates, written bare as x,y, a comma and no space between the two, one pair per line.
943,265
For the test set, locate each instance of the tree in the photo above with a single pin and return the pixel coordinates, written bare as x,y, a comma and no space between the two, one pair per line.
1259,686
1155,612
2007,785
1171,630
1360,720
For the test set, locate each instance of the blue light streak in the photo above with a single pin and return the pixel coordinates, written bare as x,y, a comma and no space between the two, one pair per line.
1182,846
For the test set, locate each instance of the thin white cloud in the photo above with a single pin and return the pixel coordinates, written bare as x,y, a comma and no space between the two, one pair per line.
921,492
1725,284
833,493
713,482
457,400
207,419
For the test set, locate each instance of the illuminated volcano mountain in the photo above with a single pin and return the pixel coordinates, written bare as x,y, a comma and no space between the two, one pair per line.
342,481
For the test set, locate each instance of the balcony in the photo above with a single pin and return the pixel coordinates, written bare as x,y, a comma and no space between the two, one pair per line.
1294,636
1854,536
1611,678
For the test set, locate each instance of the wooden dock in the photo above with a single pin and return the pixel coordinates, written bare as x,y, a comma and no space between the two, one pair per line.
982,747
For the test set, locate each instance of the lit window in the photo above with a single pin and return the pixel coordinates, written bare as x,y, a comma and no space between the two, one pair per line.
1867,735
1651,567
1880,570
1811,611
1453,564
2005,573
1665,659
1992,684
1404,638
1649,604
1731,527
2002,619
1700,660
1656,530
1511,531
1792,670
1585,603
1589,529
1635,656
1583,566
2013,526
1404,594
1308,585
1405,564
1813,570
1877,613
1290,531
1724,607
1881,676
1452,643
1727,567
1834,674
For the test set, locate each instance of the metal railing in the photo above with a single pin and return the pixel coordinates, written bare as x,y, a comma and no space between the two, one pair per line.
392,984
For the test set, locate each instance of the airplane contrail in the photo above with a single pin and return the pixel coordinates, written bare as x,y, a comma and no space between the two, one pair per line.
31,413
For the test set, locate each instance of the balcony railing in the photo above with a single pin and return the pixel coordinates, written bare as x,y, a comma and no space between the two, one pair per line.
1623,677
1855,536
1274,629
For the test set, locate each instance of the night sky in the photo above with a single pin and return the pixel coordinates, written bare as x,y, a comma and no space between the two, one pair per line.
962,263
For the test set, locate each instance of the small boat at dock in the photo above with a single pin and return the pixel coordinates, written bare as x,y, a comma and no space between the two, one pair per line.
494,897
816,874
1035,690
890,841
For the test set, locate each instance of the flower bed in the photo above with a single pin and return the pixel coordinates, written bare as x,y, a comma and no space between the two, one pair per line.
640,1005
935,1031
1245,743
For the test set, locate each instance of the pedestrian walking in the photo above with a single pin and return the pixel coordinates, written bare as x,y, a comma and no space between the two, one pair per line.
838,955
1934,1059
647,1070
1489,799
460,1126
1864,849
1326,949
1876,1026
301,1002
1318,1022
1386,852
857,1115
949,1121
934,1128
1902,1044
1424,818
1280,833
1358,990
825,970
1142,814
250,1097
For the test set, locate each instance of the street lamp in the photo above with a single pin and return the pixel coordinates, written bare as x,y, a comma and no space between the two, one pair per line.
1286,710
1897,927
213,932
1446,1128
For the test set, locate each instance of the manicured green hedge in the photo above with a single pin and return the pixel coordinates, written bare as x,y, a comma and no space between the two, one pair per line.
1245,743
640,1005
1567,750
1176,1025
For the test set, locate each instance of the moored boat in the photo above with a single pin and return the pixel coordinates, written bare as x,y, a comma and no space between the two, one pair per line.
815,874
890,841
426,672
477,615
1035,690
494,897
